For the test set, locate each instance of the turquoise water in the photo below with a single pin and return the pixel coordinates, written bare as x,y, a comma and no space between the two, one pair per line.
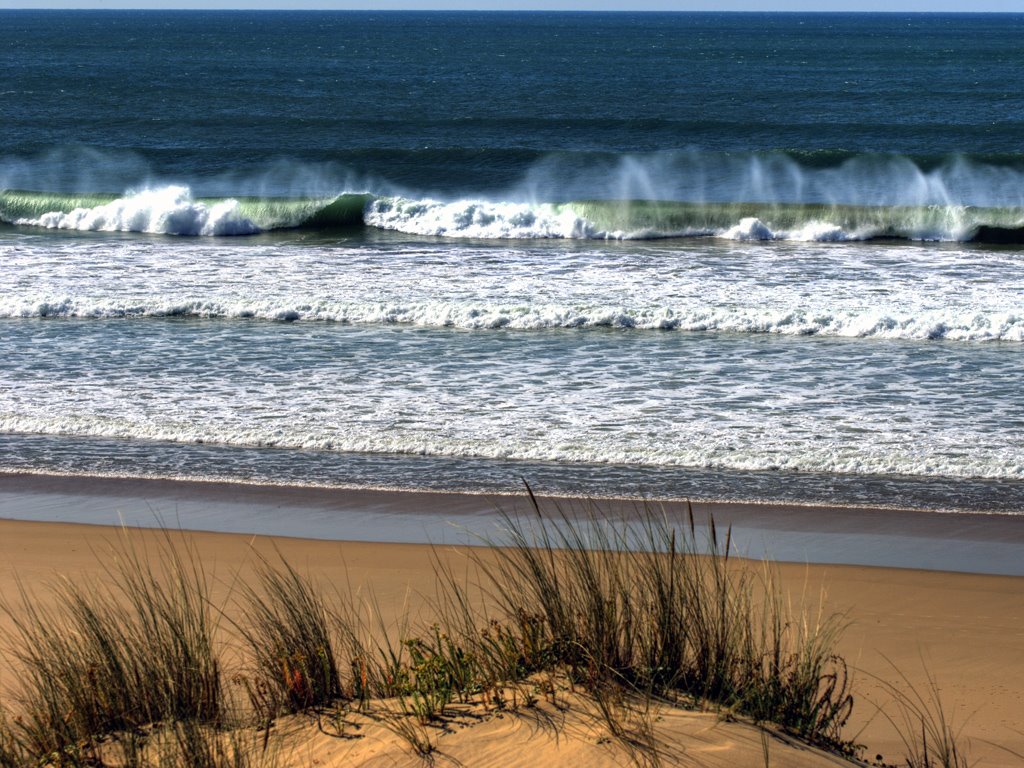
745,256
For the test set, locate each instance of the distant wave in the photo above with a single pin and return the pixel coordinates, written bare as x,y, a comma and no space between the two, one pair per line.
962,325
173,210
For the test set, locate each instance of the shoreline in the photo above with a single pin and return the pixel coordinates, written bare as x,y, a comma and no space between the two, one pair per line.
218,484
962,542
321,468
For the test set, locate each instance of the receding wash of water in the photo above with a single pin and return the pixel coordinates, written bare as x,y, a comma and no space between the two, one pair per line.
625,254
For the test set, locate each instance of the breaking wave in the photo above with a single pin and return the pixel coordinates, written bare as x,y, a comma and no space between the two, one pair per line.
172,210
167,211
951,324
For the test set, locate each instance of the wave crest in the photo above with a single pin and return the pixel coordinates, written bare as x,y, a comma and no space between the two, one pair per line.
479,219
173,210
166,210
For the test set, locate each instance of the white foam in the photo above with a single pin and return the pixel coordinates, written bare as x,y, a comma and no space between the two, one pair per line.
664,399
820,232
165,210
948,324
506,220
814,448
480,219
503,220
752,228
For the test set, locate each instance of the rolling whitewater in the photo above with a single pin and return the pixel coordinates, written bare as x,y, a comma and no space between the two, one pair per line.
174,211
625,254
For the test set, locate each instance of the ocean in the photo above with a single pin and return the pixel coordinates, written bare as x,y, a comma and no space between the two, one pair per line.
756,257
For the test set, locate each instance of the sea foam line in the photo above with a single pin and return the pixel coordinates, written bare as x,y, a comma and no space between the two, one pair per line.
501,221
712,454
949,324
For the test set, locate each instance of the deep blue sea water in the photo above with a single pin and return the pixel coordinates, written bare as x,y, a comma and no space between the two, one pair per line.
750,256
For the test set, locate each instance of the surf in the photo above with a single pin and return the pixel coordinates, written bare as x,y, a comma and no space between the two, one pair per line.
173,210
965,325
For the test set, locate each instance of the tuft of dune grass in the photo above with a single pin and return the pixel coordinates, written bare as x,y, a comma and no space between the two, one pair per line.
117,656
290,639
657,608
924,725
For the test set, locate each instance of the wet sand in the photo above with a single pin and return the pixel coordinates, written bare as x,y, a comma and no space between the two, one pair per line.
969,543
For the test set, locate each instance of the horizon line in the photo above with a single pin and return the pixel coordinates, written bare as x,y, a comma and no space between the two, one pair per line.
497,11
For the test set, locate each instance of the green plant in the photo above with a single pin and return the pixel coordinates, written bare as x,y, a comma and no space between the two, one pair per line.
927,730
289,635
660,609
114,657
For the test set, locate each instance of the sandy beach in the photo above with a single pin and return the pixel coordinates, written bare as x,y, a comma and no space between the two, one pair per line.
967,629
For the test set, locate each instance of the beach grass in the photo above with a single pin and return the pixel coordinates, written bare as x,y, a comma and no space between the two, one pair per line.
117,656
931,736
289,634
659,609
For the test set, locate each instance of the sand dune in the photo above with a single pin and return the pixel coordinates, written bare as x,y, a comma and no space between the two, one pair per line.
967,629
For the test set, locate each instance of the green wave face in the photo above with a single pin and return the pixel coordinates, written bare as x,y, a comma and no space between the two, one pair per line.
305,213
604,218
638,217
17,204
266,213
